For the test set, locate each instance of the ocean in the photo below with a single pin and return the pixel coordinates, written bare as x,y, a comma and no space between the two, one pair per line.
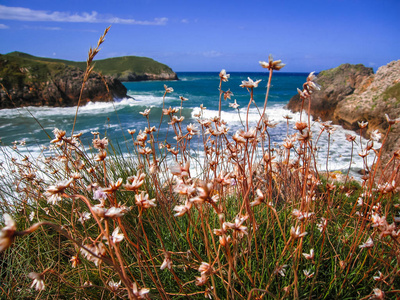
34,125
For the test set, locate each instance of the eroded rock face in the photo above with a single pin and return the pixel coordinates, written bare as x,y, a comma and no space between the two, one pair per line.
335,84
147,76
61,90
352,93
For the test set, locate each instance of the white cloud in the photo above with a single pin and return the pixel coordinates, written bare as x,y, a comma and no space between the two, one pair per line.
2,26
212,53
42,28
185,21
27,14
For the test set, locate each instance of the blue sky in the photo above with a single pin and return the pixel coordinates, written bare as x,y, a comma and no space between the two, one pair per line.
189,35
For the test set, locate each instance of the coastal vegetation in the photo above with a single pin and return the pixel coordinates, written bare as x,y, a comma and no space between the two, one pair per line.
119,67
215,213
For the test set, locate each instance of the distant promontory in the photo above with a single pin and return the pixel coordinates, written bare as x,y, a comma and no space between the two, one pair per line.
36,81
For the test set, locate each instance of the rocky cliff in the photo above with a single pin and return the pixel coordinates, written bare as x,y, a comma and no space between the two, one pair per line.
352,93
132,76
28,82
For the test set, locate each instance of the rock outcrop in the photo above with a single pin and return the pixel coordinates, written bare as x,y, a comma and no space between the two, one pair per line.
50,84
131,76
352,93
336,84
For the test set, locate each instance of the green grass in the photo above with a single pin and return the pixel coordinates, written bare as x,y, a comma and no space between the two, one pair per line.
116,66
392,92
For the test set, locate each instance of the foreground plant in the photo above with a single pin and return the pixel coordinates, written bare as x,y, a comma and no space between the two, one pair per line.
257,221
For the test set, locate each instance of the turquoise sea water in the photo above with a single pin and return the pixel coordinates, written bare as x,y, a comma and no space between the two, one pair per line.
114,119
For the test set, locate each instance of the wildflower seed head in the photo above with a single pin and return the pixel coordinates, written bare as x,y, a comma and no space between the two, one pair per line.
168,89
250,83
271,64
140,293
224,77
392,121
362,124
38,281
7,233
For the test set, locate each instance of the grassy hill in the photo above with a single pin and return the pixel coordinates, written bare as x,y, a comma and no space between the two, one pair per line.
124,68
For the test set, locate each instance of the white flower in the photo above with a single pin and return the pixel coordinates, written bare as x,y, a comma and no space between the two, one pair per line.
7,233
368,244
142,200
168,89
182,209
376,135
116,237
280,270
295,233
250,83
308,274
379,294
224,77
84,217
205,269
140,294
167,263
309,256
38,282
234,105
379,277
271,64
114,286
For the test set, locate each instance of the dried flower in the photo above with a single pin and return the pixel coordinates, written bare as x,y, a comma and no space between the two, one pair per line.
250,83
392,121
259,198
378,294
350,138
206,269
98,249
75,261
142,200
379,277
280,270
322,225
224,77
376,135
308,274
7,233
100,144
140,294
114,186
228,94
234,105
237,227
204,194
84,217
114,286
168,89
295,233
145,113
271,64
362,124
182,209
133,183
368,244
54,192
309,256
116,237
38,281
180,171
167,263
